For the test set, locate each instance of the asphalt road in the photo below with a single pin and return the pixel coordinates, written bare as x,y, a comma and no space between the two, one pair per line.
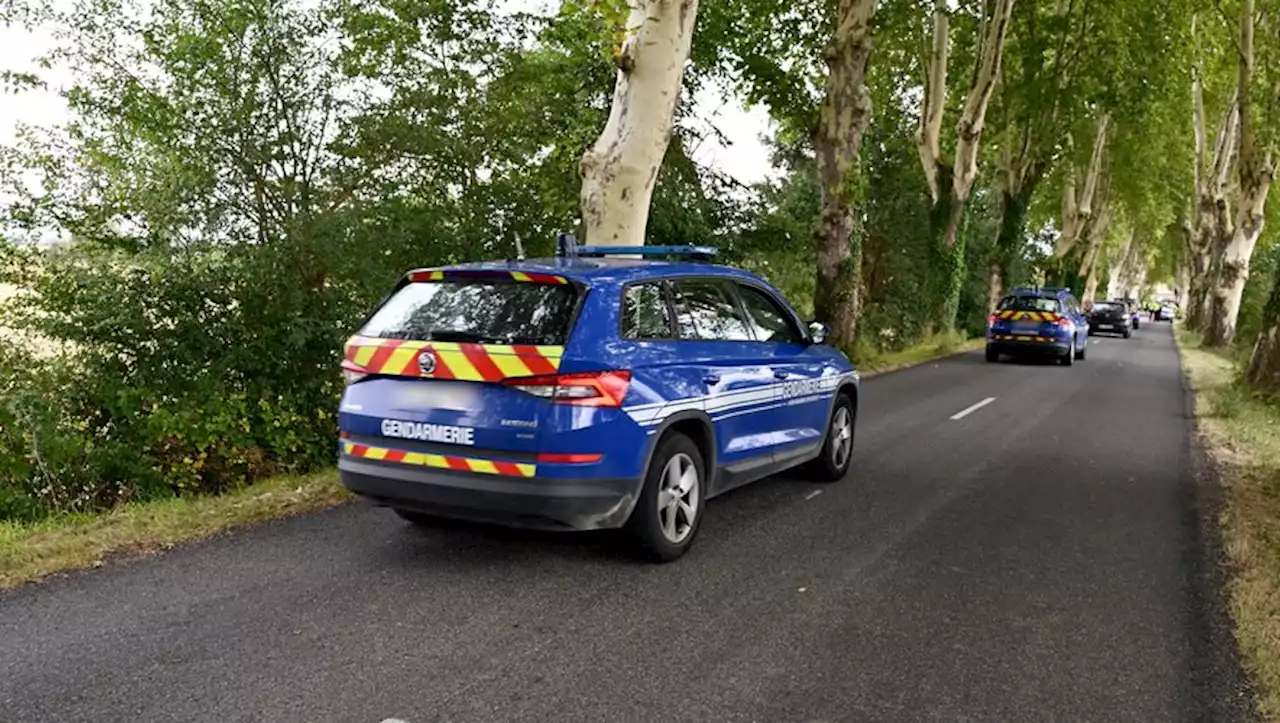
1040,558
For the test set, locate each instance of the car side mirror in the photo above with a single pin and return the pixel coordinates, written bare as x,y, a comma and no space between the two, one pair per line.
818,332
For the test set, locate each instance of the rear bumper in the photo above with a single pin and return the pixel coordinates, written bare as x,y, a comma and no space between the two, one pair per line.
1012,345
533,502
1110,324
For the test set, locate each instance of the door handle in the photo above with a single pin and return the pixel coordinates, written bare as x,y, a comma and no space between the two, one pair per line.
779,374
711,379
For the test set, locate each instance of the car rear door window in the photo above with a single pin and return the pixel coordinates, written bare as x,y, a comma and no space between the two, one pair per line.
706,309
645,314
1030,303
768,320
481,311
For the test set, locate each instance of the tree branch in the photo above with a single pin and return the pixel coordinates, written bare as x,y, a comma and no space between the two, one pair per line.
969,129
928,136
1095,164
1197,117
1225,149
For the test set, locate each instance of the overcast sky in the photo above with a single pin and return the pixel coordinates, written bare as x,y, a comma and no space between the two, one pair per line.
745,157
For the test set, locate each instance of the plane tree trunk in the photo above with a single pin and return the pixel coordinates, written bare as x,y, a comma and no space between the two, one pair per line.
950,183
1211,214
1256,169
1089,265
1020,182
1233,266
619,171
842,120
1118,274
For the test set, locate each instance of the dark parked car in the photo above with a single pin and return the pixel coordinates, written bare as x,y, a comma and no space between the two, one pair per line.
1110,316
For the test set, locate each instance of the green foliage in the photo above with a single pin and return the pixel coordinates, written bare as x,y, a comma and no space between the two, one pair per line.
240,183
1264,275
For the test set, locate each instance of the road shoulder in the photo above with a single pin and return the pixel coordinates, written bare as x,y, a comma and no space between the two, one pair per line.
31,551
1237,467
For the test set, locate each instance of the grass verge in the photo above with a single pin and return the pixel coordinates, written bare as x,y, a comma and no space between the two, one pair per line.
870,363
1241,432
29,551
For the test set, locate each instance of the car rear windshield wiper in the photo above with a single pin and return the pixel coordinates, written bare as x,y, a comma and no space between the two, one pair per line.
463,336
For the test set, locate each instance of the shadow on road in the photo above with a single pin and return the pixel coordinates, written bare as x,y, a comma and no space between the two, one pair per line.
466,545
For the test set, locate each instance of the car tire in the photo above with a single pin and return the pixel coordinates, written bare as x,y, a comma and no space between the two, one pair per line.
992,355
1068,358
832,462
1127,333
1080,351
659,525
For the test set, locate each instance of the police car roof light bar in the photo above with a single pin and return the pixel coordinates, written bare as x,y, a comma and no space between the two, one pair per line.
692,252
697,252
567,247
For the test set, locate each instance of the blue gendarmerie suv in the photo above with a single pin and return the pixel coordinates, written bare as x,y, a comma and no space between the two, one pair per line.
588,392
1044,321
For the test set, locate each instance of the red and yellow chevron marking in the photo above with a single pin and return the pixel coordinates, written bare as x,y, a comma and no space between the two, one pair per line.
1029,315
522,276
439,461
466,362
1011,337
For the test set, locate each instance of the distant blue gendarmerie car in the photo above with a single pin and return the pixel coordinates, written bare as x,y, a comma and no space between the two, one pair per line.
586,392
1038,321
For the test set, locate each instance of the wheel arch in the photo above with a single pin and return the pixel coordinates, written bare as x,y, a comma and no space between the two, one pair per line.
697,426
850,390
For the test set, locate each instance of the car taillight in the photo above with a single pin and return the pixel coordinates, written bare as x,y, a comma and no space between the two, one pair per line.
1063,321
352,372
584,389
555,458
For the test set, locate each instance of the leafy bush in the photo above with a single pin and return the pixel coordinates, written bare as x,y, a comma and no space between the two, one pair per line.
52,456
1262,274
190,372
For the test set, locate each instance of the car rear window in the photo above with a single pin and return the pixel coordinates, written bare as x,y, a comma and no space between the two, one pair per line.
645,314
1029,303
481,311
1105,306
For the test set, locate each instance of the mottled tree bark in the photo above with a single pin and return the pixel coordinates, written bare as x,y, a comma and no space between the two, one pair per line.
619,171
842,119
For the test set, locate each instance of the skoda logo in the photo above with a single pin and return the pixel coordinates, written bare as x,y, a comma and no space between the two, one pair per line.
427,362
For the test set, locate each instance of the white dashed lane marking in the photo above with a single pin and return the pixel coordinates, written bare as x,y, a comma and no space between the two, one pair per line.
813,494
970,410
